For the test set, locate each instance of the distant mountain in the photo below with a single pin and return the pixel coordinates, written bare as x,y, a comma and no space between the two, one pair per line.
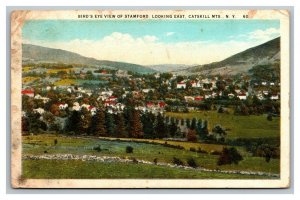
38,54
169,67
264,54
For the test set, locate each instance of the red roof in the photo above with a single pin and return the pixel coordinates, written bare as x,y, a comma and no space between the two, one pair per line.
198,98
91,107
162,104
110,102
149,104
27,92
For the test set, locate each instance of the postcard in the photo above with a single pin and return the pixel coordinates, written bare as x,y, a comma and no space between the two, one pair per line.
150,99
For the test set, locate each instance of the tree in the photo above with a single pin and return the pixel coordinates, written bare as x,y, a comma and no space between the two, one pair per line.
188,123
121,130
136,127
229,156
191,135
110,124
85,121
35,125
193,124
173,129
160,128
98,127
148,124
73,122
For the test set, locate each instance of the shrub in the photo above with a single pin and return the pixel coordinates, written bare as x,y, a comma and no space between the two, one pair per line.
155,161
129,149
201,151
192,163
134,160
97,148
192,149
55,141
191,135
215,152
177,161
229,156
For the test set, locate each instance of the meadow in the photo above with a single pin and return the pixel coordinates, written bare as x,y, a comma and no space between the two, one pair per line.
147,150
252,126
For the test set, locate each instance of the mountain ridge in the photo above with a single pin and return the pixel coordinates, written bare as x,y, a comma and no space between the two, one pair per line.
38,54
266,53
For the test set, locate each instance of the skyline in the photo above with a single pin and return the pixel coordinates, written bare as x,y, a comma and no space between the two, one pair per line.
152,42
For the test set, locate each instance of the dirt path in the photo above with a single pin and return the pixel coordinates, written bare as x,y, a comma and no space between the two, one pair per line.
123,160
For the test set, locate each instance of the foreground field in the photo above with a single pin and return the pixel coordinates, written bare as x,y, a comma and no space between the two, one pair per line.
76,169
45,145
240,126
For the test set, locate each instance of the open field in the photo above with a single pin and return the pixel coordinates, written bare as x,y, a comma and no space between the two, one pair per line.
54,71
65,82
44,145
91,170
29,79
252,126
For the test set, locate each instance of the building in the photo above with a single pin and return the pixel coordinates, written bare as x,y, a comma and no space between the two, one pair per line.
28,92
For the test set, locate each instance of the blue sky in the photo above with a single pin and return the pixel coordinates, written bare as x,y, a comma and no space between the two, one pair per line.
159,41
216,30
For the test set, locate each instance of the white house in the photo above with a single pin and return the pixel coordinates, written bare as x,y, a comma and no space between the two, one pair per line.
39,110
181,85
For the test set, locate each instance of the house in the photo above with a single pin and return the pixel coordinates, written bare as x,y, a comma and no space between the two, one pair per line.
196,84
76,106
147,90
92,109
28,92
181,85
109,103
113,98
189,98
44,99
39,110
162,104
230,95
198,98
62,106
274,97
150,104
242,96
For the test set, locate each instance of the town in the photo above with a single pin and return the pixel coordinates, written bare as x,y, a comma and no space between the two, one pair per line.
52,93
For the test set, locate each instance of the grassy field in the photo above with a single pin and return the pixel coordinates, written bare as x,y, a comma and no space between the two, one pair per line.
240,126
72,169
29,79
37,145
65,82
54,71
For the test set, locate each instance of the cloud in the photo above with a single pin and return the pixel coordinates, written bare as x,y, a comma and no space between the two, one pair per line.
169,33
259,35
266,34
149,50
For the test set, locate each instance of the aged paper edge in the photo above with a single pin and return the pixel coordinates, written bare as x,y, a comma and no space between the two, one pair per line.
17,20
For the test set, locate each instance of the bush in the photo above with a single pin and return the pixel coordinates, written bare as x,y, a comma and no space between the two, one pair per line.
192,163
177,161
129,149
134,160
55,141
155,161
97,148
192,149
191,135
229,156
201,151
